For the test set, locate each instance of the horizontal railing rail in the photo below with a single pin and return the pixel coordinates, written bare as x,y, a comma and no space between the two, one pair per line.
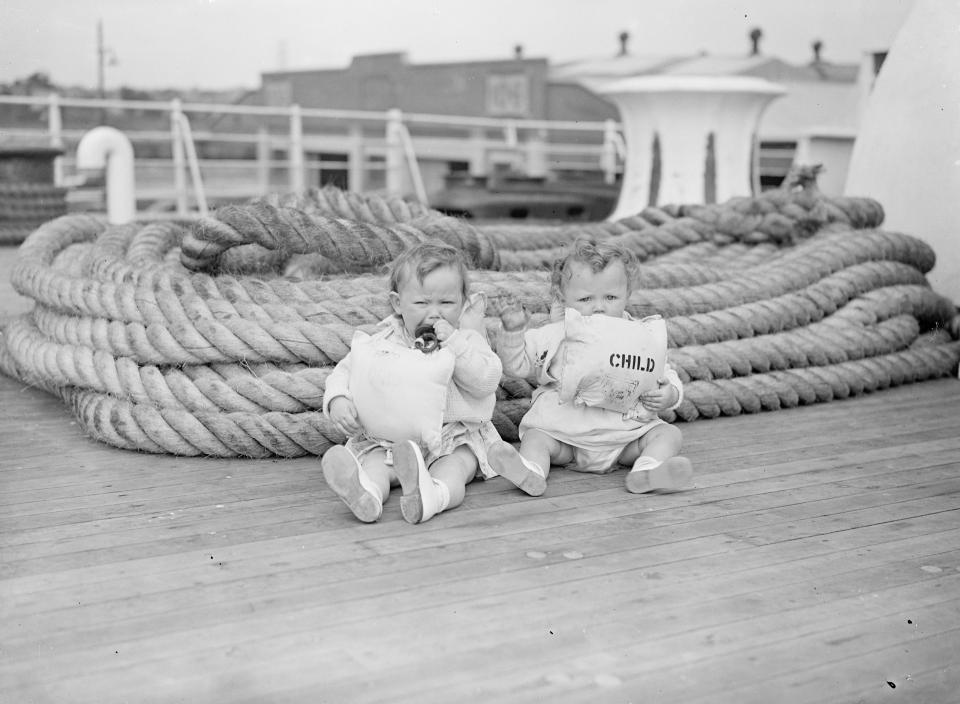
267,148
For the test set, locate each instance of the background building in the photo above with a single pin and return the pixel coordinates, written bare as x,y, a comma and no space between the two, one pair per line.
817,116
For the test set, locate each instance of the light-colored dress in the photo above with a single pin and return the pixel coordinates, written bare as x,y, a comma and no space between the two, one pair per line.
597,435
471,396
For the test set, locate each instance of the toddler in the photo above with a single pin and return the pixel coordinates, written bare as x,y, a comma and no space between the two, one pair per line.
428,287
594,278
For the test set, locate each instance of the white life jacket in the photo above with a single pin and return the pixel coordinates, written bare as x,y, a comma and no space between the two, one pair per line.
400,393
609,362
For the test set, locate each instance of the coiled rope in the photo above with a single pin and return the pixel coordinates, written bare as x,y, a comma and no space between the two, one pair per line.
216,337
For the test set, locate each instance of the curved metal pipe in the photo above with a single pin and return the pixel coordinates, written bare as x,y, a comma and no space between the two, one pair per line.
109,148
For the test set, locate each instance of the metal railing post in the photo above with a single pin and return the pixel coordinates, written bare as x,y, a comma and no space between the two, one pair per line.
536,154
179,158
263,160
355,160
394,155
295,153
55,124
478,152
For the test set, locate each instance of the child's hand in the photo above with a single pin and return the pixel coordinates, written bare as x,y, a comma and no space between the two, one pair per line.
513,316
343,414
660,398
443,330
472,317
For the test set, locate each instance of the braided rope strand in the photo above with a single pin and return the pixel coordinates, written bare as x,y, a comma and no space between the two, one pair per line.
159,339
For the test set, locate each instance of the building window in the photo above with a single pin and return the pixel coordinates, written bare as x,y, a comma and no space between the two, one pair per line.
775,160
331,169
278,92
508,95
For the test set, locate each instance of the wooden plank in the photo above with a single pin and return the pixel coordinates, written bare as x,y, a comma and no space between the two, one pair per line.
364,596
596,520
216,517
130,573
868,677
397,688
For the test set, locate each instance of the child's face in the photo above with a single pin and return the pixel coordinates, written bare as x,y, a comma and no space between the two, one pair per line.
590,292
438,297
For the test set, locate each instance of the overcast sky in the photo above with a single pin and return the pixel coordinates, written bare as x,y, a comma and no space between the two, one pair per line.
228,43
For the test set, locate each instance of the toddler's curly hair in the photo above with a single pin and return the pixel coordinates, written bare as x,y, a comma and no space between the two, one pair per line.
424,258
596,254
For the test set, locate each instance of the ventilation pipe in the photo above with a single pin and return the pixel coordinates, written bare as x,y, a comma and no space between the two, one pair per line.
109,148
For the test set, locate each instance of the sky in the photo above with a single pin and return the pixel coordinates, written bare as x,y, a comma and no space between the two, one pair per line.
220,44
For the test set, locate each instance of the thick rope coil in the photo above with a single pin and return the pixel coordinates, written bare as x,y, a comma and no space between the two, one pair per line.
296,388
353,245
230,434
195,330
790,388
157,294
313,223
769,302
349,206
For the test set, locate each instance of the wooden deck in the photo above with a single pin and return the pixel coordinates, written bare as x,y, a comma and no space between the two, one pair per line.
817,560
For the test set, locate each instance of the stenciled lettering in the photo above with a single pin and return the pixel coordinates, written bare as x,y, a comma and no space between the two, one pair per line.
632,361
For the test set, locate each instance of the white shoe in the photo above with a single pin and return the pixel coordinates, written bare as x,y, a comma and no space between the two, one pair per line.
342,472
516,469
421,498
673,474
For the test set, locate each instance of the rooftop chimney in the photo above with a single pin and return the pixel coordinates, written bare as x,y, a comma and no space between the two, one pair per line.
518,52
755,34
817,48
624,38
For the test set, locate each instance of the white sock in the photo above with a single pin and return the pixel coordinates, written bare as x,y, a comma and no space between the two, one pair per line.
645,463
444,494
435,497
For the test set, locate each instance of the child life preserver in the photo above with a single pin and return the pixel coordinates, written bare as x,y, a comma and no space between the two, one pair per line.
400,392
609,362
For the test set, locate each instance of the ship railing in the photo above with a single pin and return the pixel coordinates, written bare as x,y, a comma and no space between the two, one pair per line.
235,151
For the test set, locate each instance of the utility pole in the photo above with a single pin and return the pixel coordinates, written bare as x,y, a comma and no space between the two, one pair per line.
105,56
101,58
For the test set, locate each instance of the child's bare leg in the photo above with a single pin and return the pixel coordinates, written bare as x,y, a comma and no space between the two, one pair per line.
660,443
363,488
529,469
379,472
656,464
543,450
456,470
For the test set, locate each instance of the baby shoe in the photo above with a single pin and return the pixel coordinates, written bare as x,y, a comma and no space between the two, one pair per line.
345,476
673,474
516,469
423,496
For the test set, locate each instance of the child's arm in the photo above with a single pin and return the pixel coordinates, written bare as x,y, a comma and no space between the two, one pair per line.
337,403
478,369
518,360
